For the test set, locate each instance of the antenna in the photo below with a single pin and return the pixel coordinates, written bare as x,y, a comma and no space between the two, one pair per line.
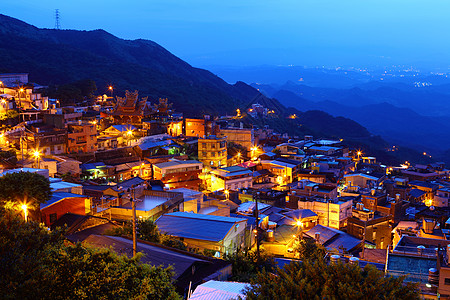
57,25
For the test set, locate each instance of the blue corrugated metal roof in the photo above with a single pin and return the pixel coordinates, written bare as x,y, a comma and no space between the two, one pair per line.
334,239
219,290
196,226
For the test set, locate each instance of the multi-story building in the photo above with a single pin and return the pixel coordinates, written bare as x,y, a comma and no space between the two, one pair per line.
212,151
178,173
441,198
47,140
367,225
81,137
231,178
332,212
240,136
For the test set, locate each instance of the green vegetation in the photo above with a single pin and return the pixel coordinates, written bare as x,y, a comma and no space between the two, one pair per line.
309,249
9,115
24,188
8,157
39,264
315,279
74,92
246,265
148,231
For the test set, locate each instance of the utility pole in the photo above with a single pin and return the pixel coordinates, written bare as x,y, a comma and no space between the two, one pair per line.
257,227
133,207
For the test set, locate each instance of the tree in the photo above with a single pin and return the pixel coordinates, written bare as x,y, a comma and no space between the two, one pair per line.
309,249
245,264
315,279
147,230
39,264
24,187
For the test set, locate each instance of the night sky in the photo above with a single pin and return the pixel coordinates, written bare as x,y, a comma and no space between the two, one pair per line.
236,32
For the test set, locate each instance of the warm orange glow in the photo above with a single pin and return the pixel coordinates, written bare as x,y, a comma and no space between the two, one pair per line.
129,132
110,88
24,207
239,154
294,116
21,90
424,153
36,154
359,153
299,223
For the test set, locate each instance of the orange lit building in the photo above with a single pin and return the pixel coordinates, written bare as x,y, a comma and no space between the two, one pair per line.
81,137
195,127
175,128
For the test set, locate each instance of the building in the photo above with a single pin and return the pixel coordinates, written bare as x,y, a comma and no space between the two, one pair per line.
62,203
441,198
130,109
81,137
225,235
240,136
46,139
13,79
219,290
364,224
212,151
424,261
334,240
194,127
309,188
332,212
231,178
377,200
118,135
178,173
284,169
363,180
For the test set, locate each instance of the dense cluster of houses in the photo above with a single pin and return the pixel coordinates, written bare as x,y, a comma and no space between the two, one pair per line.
219,185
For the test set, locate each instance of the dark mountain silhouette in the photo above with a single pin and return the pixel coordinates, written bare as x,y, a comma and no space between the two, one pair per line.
396,124
64,56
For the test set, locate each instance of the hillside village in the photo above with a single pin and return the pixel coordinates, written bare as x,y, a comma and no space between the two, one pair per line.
218,185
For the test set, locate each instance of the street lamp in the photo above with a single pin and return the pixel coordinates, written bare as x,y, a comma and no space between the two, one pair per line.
130,135
25,211
20,98
111,89
227,194
36,155
3,87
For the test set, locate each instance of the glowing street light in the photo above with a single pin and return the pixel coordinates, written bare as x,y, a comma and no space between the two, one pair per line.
227,194
36,155
25,211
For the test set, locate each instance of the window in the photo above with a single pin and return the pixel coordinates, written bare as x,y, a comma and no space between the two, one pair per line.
52,218
447,281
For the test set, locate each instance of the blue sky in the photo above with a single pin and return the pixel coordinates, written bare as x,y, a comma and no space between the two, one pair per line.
302,32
